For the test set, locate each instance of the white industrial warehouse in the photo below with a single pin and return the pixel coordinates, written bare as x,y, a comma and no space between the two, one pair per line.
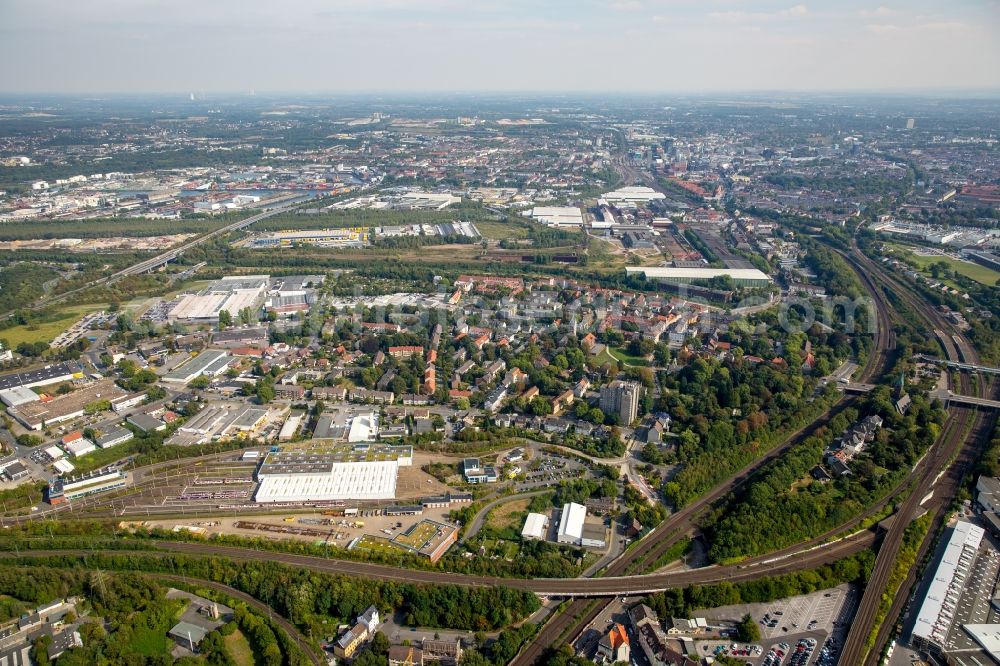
571,523
535,526
231,293
938,610
330,481
558,216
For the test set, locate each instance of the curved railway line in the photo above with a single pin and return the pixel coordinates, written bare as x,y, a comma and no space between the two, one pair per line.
950,457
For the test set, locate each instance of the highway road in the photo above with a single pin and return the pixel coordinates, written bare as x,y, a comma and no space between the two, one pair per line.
162,259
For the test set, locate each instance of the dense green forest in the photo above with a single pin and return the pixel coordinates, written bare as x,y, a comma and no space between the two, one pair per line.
107,227
783,505
309,598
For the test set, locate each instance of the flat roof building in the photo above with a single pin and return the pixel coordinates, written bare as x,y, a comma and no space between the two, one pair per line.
937,612
741,277
632,194
571,523
209,363
327,481
18,395
50,374
558,216
35,415
535,526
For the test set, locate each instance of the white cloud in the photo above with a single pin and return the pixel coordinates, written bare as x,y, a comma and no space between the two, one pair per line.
878,12
737,16
626,5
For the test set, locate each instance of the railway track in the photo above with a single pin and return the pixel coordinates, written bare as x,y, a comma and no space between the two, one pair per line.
581,614
583,587
945,456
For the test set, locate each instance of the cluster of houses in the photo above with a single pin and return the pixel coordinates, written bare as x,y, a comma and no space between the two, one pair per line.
853,442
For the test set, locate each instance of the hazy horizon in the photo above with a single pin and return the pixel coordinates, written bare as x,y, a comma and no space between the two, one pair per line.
395,46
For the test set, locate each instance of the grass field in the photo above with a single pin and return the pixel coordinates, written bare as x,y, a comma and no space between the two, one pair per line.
500,230
508,514
46,331
624,357
102,457
239,649
980,274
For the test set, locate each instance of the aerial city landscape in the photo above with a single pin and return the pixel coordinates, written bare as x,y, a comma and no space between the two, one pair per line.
395,375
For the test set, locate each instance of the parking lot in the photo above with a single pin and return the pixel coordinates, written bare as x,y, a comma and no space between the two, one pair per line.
789,621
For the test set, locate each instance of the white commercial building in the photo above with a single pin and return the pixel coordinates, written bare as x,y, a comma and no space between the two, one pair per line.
535,526
632,195
209,363
937,612
558,216
80,447
364,428
63,466
742,277
571,523
19,395
231,293
339,481
54,452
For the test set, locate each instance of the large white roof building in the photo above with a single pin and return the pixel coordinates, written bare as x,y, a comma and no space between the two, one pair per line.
740,276
937,613
571,523
633,194
534,526
339,481
558,216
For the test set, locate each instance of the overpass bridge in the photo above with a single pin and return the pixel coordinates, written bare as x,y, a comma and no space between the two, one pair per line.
949,397
856,387
968,367
150,265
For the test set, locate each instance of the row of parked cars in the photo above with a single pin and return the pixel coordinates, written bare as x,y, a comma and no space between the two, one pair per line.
803,651
827,654
736,650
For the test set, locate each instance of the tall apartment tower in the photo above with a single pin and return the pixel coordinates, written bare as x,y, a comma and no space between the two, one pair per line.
621,398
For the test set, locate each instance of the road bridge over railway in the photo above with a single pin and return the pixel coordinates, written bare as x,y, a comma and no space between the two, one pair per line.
949,397
968,367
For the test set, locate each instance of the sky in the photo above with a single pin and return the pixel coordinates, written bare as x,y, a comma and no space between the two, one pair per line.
330,46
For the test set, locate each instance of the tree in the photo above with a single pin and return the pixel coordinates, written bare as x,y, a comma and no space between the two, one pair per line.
225,320
200,382
540,406
265,391
747,630
380,644
40,650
